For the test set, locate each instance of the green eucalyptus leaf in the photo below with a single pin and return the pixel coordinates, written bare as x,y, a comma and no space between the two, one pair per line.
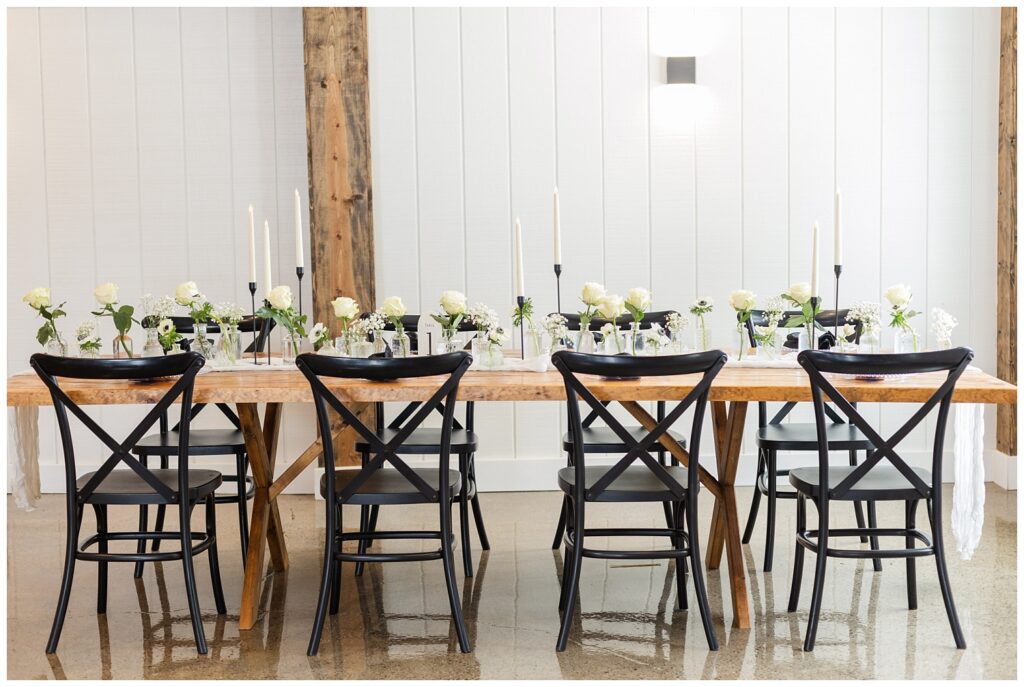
44,333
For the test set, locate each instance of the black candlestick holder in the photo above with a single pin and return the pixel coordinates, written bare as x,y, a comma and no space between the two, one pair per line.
520,301
558,288
838,269
812,342
298,273
252,295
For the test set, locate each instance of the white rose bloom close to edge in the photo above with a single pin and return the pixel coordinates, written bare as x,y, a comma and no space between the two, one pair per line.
611,307
393,307
280,297
800,292
639,298
186,293
453,302
106,294
592,293
38,297
345,307
741,299
898,294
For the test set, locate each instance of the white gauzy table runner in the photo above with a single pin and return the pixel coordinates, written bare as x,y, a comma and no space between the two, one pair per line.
968,447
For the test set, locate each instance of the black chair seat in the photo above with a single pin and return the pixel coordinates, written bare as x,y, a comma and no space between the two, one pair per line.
636,483
605,440
803,436
201,442
388,486
126,487
426,440
881,483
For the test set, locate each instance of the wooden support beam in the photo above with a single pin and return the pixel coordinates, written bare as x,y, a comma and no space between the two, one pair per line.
338,146
1006,243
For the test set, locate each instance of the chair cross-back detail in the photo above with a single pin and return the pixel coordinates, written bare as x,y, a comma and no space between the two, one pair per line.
628,483
137,485
874,480
372,485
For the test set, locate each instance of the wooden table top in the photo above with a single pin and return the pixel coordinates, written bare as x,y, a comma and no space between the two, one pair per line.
287,385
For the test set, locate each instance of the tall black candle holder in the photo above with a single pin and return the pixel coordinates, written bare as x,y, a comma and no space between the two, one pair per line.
812,342
252,296
298,273
838,271
558,288
521,301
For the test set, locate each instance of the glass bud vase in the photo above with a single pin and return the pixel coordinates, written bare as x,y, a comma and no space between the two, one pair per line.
702,337
89,352
611,342
292,348
379,343
803,340
636,339
944,343
870,342
123,347
449,340
230,344
905,341
487,355
152,348
400,344
586,342
56,346
675,341
201,343
362,348
741,332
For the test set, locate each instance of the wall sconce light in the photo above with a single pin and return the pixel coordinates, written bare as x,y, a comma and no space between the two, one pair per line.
681,70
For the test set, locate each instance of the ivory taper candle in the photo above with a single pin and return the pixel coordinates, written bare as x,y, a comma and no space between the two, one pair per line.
838,248
298,231
814,260
252,249
520,287
558,230
268,284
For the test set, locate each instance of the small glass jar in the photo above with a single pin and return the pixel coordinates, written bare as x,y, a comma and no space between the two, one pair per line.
637,342
292,348
487,355
803,340
201,343
612,342
702,337
449,340
229,346
379,343
536,344
123,347
744,344
362,349
400,344
56,346
676,345
152,348
942,344
905,341
870,342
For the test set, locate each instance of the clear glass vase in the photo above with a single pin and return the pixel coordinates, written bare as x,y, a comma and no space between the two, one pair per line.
123,347
229,346
380,344
945,343
676,345
585,342
449,340
400,344
362,348
487,355
702,337
870,342
292,348
636,339
743,343
535,344
803,341
905,341
88,352
56,346
612,343
201,342
152,348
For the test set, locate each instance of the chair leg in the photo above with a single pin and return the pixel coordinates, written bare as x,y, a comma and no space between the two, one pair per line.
769,539
374,512
858,507
876,563
211,531
101,529
699,589
143,526
364,527
336,582
819,578
184,516
242,468
478,515
911,562
679,542
448,562
325,583
798,556
467,553
556,543
935,517
572,588
755,502
74,520
161,510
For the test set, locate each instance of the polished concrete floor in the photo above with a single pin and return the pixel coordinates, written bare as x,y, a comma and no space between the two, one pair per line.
394,621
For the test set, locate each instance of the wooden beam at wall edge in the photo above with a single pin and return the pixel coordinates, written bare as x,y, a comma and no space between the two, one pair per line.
1006,242
338,147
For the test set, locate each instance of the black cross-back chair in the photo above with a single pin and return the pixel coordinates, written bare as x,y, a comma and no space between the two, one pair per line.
872,480
625,483
774,435
427,441
370,485
137,485
206,442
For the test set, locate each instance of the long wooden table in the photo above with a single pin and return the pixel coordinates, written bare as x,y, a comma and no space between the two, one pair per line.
733,389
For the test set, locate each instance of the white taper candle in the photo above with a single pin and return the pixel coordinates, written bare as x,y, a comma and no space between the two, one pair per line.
268,283
252,248
520,287
558,231
298,231
838,248
814,260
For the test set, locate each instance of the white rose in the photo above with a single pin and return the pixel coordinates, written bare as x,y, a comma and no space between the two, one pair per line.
800,292
393,307
280,297
165,326
38,297
611,307
453,302
639,298
106,294
742,300
898,295
186,293
592,293
345,308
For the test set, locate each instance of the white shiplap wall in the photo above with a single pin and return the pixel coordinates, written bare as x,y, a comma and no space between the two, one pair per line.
138,137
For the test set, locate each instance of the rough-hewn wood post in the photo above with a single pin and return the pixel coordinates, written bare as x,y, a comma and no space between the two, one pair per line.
338,144
1006,246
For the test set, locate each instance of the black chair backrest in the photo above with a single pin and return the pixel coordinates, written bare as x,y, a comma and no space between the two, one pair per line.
819,363
707,364
623,322
316,368
184,366
826,318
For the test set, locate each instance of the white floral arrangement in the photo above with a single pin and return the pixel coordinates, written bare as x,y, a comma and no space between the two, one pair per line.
87,337
453,310
187,294
611,333
376,321
345,310
638,302
773,310
655,337
496,336
167,333
556,325
319,335
701,307
280,310
156,308
942,326
867,313
227,313
676,322
591,296
483,317
39,300
899,297
106,296
612,307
